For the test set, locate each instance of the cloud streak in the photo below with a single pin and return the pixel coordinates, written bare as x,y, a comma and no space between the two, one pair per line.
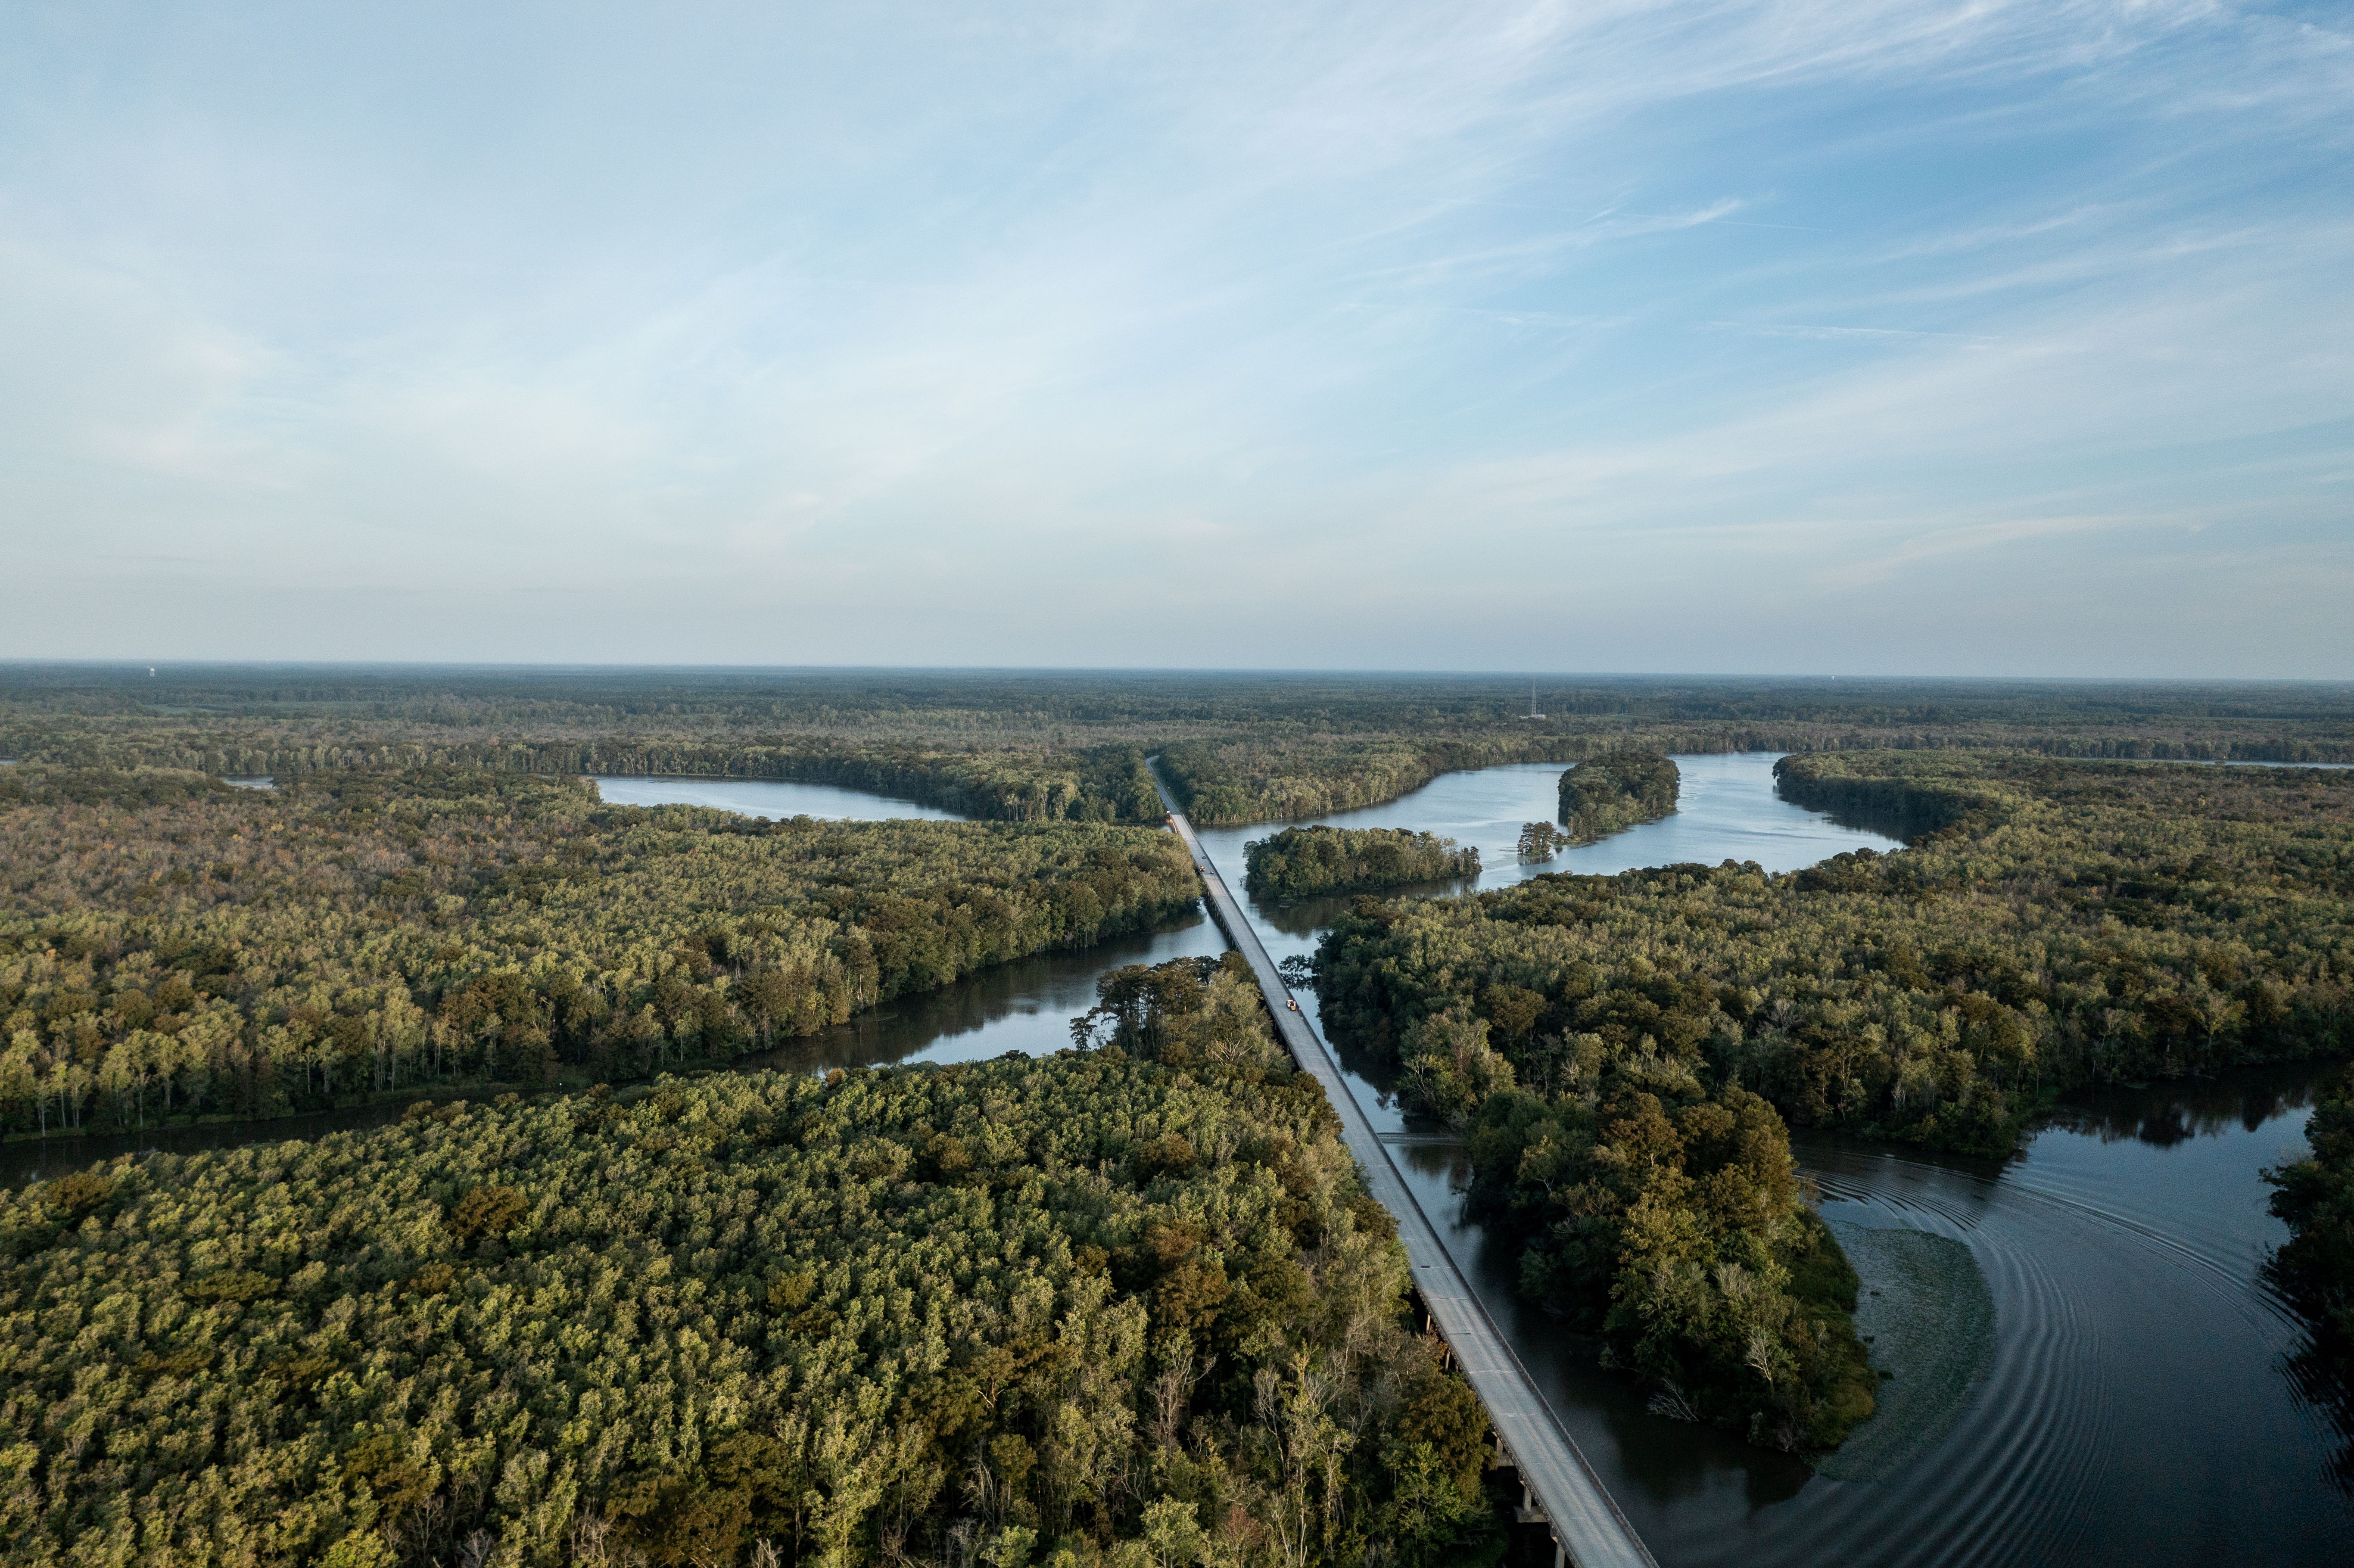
923,334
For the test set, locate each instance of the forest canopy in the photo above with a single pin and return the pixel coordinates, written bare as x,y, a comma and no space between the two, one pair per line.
1298,863
1624,1050
1124,1306
1610,793
2056,923
1055,745
165,948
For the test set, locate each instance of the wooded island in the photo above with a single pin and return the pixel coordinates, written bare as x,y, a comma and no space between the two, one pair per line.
1120,1305
1299,863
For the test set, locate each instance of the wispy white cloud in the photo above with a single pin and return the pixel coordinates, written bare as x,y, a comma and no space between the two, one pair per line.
890,322
1831,333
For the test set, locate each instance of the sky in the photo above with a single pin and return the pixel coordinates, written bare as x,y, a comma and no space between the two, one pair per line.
1805,337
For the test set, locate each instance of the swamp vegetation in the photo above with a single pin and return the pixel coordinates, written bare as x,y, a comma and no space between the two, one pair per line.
1299,863
1610,793
1624,1051
2315,1269
171,946
1068,745
1121,1306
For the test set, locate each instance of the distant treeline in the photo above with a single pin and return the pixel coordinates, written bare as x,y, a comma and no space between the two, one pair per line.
1300,862
169,946
1249,780
1101,784
1610,793
1065,746
1117,1309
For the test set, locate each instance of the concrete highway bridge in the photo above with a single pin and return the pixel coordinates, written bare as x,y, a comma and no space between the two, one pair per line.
1560,1490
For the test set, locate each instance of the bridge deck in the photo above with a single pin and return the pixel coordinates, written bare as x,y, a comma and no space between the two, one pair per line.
1585,1522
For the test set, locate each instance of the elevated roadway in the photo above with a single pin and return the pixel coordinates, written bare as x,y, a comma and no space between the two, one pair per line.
1587,1528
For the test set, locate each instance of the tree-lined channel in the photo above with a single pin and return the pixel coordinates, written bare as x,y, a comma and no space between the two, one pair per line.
2089,1367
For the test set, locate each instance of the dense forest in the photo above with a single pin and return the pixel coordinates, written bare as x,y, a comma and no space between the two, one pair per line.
1300,861
1123,1306
1067,746
1612,792
1608,1040
171,946
1663,1215
2053,923
2315,1269
997,784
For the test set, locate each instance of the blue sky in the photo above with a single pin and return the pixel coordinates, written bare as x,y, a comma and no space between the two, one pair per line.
1848,337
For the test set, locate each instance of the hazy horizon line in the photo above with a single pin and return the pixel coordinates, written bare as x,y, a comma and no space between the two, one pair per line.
1366,672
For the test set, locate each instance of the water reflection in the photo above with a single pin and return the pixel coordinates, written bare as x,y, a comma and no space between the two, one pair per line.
2171,1113
1026,1007
2150,1399
2147,1397
1653,1467
38,1160
1728,809
2139,1401
771,798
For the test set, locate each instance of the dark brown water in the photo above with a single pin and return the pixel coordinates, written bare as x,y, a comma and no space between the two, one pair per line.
2135,1402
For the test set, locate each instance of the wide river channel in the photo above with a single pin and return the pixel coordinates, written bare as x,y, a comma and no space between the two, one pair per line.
2088,1366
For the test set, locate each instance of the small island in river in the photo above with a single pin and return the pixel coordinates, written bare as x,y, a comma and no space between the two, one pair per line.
1615,791
1298,863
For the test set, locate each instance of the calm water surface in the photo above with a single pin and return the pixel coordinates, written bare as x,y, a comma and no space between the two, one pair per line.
1729,811
767,798
2137,1408
2134,1406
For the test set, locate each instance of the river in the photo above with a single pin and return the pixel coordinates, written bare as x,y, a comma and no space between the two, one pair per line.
2089,1366
1729,809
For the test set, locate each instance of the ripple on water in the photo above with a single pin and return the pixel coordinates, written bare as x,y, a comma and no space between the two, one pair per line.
1993,1462
1929,1319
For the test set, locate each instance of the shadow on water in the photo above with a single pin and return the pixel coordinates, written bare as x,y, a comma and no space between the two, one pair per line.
1651,1465
1026,1006
2142,1401
2141,1405
1310,918
2171,1113
38,1160
2127,1387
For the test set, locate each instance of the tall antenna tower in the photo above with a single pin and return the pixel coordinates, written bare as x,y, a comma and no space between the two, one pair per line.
1532,703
